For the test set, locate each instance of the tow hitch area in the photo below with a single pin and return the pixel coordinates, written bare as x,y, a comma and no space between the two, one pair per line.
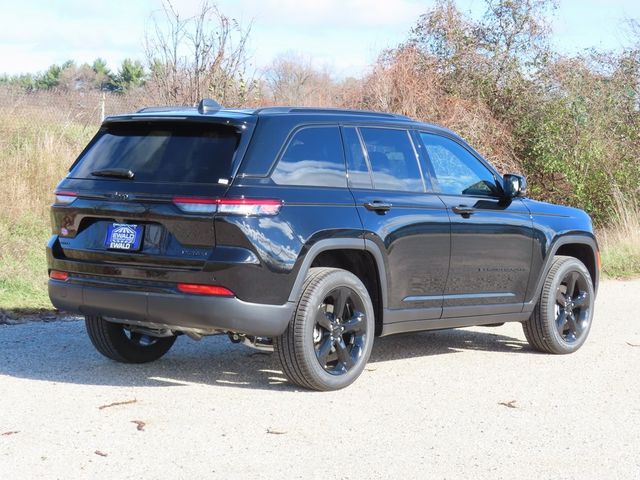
264,344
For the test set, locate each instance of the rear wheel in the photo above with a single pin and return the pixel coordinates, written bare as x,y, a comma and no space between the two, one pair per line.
562,318
329,339
118,343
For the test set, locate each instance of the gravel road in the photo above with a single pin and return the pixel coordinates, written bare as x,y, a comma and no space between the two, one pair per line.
468,403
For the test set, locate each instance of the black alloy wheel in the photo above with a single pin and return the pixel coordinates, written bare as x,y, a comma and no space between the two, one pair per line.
573,306
339,335
329,338
562,318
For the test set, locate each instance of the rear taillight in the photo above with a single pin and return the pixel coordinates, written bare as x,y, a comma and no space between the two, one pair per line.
198,289
196,205
64,197
229,206
58,275
249,206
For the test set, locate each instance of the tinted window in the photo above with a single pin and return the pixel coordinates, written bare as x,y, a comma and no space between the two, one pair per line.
456,170
393,161
314,156
359,176
162,152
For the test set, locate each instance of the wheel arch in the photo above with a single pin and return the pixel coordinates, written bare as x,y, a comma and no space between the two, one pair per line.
361,257
582,247
586,254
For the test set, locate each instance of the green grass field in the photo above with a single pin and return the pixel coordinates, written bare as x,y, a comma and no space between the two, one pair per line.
23,270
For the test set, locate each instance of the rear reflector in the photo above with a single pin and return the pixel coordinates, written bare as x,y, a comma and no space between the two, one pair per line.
196,205
64,198
229,206
58,275
197,289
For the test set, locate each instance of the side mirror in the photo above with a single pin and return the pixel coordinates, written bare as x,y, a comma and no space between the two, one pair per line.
514,185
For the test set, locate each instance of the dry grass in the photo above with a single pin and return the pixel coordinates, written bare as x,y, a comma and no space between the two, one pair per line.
620,243
34,159
40,136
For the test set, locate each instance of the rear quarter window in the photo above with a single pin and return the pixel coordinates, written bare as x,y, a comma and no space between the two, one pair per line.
313,157
162,152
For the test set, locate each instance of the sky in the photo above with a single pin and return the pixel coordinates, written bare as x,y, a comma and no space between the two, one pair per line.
344,36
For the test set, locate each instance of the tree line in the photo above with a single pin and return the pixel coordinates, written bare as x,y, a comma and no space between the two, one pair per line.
70,76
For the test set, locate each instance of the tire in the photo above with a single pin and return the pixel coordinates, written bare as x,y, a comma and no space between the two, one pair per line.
321,350
561,320
116,342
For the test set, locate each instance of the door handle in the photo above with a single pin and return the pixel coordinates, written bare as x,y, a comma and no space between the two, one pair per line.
463,210
378,206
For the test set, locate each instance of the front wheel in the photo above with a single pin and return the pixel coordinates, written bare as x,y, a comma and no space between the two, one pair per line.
329,339
118,343
561,321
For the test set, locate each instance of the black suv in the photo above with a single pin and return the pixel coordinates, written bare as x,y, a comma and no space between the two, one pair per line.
307,231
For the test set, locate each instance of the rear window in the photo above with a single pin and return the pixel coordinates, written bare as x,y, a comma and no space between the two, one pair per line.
393,160
162,152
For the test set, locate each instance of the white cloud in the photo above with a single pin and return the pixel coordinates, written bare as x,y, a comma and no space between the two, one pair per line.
339,34
343,35
334,13
33,37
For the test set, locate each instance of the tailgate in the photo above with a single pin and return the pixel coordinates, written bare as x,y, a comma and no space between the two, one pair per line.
97,227
123,201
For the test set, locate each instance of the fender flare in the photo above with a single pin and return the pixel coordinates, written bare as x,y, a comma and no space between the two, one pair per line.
341,244
558,242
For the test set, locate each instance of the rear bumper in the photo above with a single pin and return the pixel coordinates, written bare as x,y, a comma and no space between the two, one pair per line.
173,310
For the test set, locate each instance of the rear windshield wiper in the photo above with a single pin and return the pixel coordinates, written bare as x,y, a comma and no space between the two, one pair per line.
114,172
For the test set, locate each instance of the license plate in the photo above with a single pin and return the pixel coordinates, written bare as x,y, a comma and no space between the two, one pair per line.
124,236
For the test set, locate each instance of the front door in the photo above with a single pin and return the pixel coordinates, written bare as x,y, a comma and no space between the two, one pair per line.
491,238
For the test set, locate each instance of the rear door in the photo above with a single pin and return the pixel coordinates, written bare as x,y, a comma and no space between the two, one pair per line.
491,238
409,224
145,194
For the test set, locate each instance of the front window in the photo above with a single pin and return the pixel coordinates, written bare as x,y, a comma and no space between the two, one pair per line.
456,170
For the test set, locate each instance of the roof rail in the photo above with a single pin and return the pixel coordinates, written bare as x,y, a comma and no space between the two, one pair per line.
329,110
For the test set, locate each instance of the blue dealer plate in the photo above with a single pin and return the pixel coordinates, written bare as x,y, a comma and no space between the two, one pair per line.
124,236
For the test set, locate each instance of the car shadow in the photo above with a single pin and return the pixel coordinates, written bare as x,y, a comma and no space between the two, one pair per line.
62,352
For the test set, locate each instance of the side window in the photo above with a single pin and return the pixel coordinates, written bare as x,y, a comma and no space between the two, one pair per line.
314,157
357,167
457,171
393,160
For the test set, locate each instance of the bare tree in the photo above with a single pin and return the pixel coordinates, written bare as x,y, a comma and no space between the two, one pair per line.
291,79
204,55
